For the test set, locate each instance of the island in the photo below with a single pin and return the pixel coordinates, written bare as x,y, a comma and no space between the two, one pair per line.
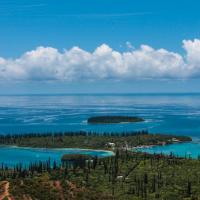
113,119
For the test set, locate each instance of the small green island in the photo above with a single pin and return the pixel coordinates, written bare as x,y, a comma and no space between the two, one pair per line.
114,119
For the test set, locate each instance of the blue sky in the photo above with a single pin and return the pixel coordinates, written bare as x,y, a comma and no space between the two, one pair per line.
122,25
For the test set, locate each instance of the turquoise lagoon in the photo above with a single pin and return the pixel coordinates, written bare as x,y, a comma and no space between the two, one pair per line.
187,149
11,155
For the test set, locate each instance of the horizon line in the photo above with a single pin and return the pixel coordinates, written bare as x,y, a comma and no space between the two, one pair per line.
102,93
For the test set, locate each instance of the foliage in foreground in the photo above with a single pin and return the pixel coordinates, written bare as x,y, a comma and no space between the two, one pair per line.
127,175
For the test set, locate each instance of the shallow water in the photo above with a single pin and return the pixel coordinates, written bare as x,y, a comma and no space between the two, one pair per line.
186,150
10,155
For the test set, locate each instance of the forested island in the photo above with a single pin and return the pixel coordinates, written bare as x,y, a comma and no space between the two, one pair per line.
90,140
127,175
114,119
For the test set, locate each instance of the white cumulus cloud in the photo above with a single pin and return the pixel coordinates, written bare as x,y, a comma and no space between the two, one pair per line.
47,63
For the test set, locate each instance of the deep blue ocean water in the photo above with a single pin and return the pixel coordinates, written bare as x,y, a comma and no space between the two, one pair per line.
163,113
169,113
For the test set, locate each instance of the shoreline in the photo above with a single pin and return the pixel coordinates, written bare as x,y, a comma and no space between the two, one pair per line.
58,149
186,150
84,142
162,144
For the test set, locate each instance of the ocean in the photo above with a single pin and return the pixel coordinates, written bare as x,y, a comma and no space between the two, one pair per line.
163,113
11,155
177,114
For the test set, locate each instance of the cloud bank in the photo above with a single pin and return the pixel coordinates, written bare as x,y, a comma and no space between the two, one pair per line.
47,63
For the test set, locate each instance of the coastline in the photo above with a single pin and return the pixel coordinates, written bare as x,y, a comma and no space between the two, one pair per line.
163,144
185,150
59,149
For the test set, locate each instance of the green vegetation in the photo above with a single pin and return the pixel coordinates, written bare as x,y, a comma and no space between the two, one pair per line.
90,140
77,160
113,119
73,157
127,175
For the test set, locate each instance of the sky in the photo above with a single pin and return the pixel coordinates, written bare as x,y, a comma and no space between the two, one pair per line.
99,46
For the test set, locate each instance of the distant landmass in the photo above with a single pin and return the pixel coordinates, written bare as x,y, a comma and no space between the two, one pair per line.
114,119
